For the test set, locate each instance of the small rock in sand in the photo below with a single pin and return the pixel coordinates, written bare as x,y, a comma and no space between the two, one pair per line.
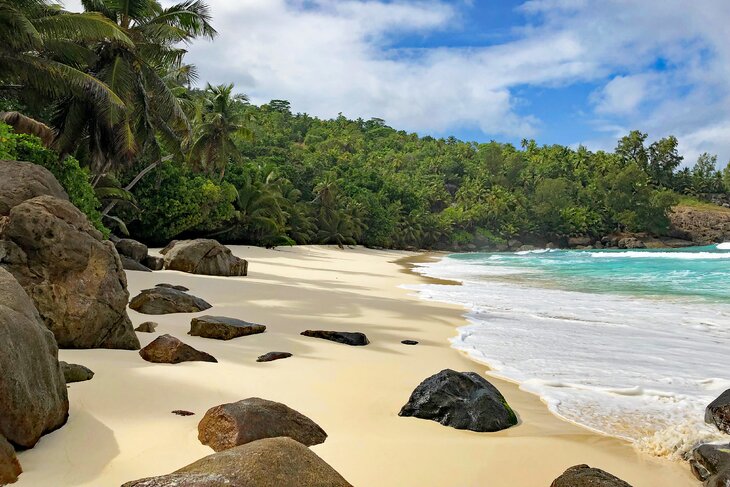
268,357
354,338
75,372
147,327
182,412
585,476
409,342
163,300
166,349
222,327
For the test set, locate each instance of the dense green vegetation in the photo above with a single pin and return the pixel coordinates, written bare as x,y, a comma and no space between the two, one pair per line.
161,160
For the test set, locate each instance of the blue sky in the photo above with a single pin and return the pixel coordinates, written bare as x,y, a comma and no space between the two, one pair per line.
559,71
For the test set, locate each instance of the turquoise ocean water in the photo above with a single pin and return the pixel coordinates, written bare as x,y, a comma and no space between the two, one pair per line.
630,343
697,272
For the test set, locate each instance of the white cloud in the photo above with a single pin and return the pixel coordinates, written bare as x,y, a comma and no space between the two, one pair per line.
330,56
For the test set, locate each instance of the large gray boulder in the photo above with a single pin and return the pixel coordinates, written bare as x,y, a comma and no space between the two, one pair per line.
165,300
272,462
462,400
9,466
238,423
222,327
33,397
22,181
73,275
585,476
203,256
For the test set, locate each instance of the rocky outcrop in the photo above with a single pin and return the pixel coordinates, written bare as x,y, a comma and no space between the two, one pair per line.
271,356
702,225
354,338
222,327
462,400
585,476
33,397
73,275
711,464
127,247
273,462
9,467
147,327
165,300
166,349
76,373
203,256
582,241
718,412
252,419
22,181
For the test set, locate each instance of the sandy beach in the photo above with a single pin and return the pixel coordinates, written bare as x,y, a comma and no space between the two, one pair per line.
121,427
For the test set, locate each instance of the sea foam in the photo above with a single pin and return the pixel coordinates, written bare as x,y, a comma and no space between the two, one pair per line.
631,367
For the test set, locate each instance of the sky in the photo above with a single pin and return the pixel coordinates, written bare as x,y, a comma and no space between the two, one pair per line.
558,71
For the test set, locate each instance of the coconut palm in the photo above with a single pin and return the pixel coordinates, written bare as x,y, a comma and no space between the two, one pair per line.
137,74
220,121
43,53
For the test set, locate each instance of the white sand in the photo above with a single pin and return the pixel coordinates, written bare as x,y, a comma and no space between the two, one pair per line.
121,427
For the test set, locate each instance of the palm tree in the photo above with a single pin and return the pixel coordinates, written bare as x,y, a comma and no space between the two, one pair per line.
137,74
42,55
221,119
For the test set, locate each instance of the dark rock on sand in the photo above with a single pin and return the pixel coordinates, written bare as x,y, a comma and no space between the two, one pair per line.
132,265
153,262
182,412
132,249
222,327
585,476
147,327
271,356
173,286
23,181
409,342
707,461
203,256
74,276
272,462
33,396
462,400
353,338
76,373
718,412
163,300
252,419
9,467
166,349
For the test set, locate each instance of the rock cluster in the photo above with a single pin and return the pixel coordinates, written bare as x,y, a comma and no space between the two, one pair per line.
74,276
462,400
238,423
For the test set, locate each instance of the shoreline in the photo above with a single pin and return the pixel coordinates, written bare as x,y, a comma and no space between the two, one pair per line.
354,393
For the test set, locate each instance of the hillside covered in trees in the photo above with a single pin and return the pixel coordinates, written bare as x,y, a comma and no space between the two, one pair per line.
105,100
